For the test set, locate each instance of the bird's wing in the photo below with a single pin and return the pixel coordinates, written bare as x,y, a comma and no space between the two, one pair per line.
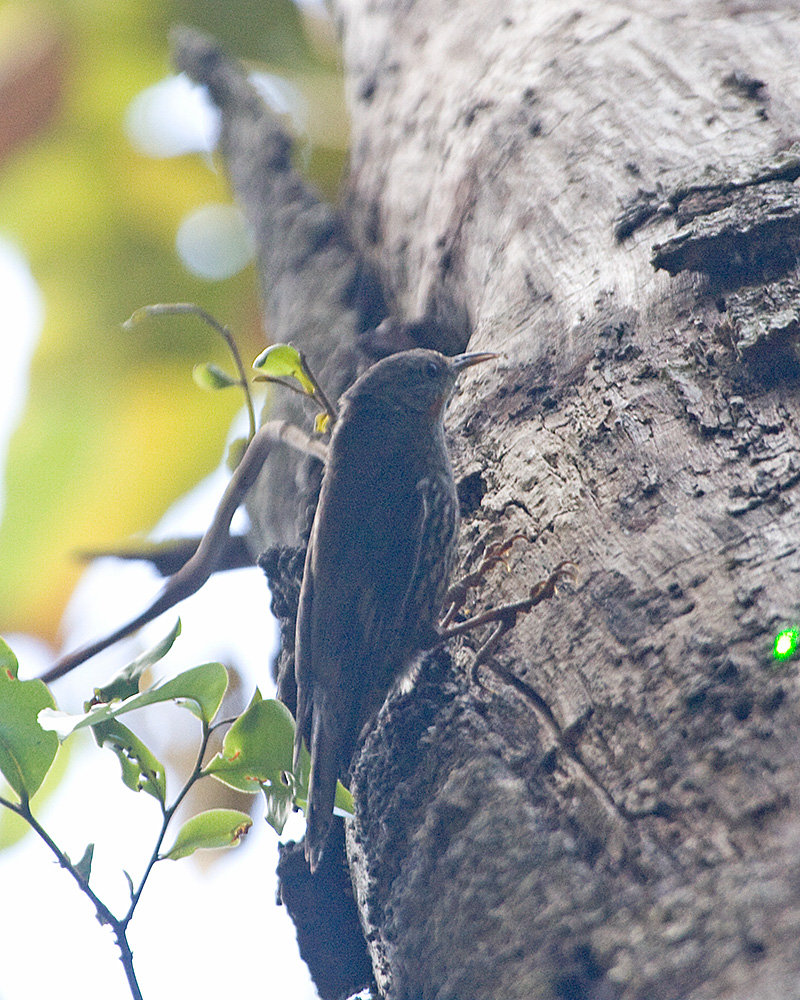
370,591
434,534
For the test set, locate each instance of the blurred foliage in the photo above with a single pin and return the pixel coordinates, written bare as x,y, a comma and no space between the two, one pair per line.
114,428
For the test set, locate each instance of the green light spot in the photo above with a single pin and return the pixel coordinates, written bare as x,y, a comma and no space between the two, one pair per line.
786,643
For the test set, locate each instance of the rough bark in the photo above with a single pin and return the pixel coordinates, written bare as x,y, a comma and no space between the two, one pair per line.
613,812
628,826
317,292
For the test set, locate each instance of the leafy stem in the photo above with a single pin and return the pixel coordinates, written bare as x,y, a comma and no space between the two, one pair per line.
167,815
189,308
118,925
282,362
255,753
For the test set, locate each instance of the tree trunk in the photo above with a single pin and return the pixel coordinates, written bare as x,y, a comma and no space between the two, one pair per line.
605,193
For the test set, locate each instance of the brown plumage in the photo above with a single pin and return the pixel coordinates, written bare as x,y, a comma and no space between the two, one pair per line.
378,561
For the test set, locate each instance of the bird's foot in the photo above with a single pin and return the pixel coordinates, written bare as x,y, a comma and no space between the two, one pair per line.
505,617
456,596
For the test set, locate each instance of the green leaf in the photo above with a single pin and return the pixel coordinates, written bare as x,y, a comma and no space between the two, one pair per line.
9,665
281,361
300,777
200,689
321,422
126,682
13,827
214,828
137,316
279,805
257,749
26,750
257,754
210,376
343,801
141,770
84,866
236,452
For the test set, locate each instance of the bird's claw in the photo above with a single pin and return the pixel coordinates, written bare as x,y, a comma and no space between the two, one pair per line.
494,553
506,615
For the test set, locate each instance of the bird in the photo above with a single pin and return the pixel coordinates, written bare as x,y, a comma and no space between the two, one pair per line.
378,562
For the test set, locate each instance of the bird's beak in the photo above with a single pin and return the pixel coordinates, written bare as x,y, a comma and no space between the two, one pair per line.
466,360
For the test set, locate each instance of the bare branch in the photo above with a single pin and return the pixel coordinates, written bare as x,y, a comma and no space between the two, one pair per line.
193,574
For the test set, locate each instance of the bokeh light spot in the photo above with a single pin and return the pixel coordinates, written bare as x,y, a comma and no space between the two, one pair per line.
171,118
283,97
214,242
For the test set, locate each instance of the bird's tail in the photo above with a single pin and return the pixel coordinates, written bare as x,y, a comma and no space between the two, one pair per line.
321,789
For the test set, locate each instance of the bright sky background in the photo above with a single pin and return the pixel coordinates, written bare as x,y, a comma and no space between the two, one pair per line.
186,905
21,317
200,929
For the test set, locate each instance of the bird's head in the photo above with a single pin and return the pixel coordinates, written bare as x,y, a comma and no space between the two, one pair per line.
417,381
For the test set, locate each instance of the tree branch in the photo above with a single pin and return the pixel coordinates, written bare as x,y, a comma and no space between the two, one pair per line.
104,915
193,574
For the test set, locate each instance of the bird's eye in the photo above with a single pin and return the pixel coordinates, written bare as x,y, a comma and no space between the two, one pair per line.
432,369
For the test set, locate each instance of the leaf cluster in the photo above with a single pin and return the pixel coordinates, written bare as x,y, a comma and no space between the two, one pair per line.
256,756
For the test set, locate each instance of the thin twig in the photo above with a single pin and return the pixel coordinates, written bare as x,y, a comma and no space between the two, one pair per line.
104,915
291,386
329,408
167,815
189,308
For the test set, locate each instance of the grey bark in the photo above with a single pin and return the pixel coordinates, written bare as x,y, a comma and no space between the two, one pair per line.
612,813
641,842
318,294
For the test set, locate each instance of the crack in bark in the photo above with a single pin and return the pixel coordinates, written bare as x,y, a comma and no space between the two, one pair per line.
550,724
